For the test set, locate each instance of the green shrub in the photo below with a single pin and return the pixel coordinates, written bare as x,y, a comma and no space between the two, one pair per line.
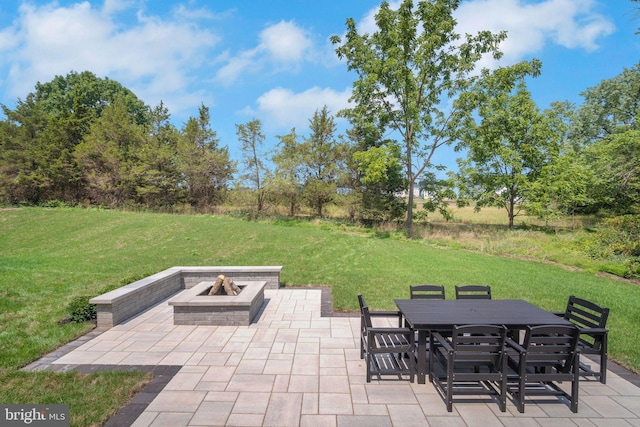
633,268
618,239
80,310
620,236
56,204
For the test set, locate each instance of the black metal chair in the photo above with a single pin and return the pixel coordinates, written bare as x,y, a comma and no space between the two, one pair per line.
473,292
387,350
591,319
548,355
471,362
427,292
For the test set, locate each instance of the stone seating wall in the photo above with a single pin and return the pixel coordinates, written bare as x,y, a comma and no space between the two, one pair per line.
125,302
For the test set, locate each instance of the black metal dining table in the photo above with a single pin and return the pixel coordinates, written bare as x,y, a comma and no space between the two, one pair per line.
423,316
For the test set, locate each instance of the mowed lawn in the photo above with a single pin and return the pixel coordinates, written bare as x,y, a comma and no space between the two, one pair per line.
49,256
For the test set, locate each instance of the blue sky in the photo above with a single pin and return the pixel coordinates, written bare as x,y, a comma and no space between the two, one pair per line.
272,60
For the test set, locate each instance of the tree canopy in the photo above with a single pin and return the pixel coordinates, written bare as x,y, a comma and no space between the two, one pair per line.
510,144
408,70
83,139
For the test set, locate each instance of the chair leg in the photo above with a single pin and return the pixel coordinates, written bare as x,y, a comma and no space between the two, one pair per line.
503,394
603,360
521,389
503,385
412,367
575,385
449,384
603,370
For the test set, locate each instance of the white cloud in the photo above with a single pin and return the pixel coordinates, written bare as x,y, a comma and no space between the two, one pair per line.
573,24
285,42
236,66
284,109
282,46
114,6
9,39
153,57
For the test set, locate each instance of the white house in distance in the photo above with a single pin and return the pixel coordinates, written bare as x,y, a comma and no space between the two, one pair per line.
416,193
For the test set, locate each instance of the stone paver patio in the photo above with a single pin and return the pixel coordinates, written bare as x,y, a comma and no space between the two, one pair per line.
294,367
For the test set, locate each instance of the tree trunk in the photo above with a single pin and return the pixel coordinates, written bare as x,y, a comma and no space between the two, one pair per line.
511,210
411,180
410,211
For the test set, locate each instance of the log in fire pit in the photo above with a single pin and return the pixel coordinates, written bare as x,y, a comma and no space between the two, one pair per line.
223,286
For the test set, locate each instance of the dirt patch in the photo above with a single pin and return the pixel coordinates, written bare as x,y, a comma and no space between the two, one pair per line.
527,258
621,279
574,268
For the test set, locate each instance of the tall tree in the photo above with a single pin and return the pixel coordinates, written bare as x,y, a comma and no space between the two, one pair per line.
287,177
322,160
407,71
48,127
87,95
251,137
616,163
20,157
562,188
610,107
108,155
511,144
377,177
42,166
157,175
603,132
207,168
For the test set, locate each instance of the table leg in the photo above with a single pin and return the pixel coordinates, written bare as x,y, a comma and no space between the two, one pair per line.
422,356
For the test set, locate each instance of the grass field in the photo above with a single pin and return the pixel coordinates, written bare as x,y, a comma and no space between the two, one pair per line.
49,256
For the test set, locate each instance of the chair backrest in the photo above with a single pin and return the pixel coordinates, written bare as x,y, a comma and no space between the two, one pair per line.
427,292
553,345
479,344
365,317
473,292
586,314
361,302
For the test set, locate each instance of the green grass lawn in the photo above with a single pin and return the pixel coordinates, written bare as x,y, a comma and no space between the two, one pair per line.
49,256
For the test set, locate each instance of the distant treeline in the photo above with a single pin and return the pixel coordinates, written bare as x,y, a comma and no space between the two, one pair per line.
80,139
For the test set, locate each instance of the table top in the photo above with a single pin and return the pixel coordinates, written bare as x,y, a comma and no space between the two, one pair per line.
444,314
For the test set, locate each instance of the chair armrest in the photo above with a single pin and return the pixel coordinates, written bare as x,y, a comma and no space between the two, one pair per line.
514,345
515,360
384,313
439,339
377,330
379,314
594,331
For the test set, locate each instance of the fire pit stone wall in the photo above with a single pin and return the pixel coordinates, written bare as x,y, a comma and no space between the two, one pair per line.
191,307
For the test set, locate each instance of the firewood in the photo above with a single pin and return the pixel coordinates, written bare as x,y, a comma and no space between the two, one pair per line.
215,289
229,287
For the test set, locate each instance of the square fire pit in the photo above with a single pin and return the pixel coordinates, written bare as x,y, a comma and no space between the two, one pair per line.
194,307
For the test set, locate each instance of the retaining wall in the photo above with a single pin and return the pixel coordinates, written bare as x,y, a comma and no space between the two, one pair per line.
120,304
